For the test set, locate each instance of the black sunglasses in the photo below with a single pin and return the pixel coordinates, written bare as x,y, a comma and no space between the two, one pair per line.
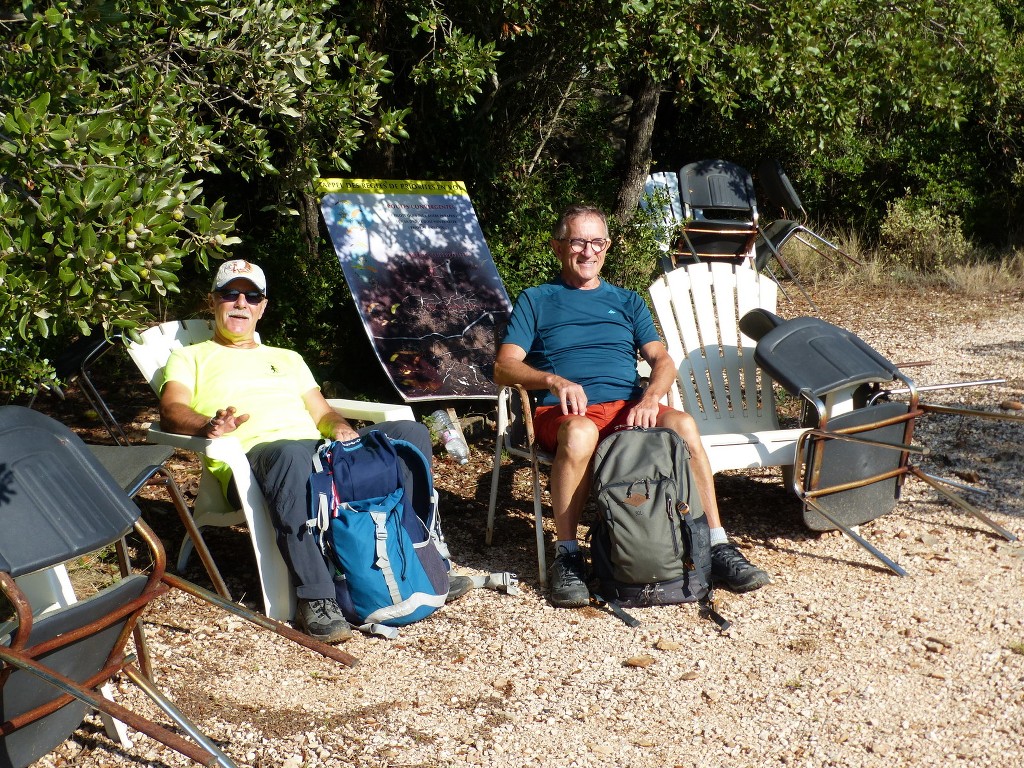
252,297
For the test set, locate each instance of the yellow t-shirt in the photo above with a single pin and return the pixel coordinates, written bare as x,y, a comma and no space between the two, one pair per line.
265,382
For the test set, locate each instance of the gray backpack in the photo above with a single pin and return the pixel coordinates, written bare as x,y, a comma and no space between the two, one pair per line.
650,543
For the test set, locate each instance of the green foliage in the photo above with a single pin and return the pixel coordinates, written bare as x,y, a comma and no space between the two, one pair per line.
456,62
921,238
95,218
112,114
636,253
519,242
137,140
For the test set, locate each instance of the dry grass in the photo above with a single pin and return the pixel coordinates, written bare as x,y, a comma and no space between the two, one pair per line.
983,274
982,278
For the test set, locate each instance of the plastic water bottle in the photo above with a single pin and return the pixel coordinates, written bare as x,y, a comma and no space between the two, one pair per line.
451,436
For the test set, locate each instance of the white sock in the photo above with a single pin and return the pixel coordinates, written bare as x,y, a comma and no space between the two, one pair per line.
568,547
718,536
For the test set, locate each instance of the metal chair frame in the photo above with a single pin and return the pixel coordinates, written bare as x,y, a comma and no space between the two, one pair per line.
515,437
719,211
854,457
58,503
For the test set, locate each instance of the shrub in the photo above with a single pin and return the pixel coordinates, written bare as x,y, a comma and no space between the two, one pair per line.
921,238
636,253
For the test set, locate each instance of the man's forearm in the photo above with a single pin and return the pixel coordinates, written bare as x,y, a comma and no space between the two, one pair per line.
511,372
182,420
335,426
663,374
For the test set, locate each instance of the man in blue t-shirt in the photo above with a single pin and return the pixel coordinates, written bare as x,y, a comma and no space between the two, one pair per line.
577,337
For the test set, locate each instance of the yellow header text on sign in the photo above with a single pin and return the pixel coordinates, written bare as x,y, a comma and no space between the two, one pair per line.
390,187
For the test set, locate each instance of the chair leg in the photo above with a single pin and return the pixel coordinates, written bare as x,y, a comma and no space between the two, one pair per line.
194,536
139,635
275,579
280,628
184,553
538,516
789,477
885,559
789,271
495,479
172,711
106,417
499,446
155,731
962,503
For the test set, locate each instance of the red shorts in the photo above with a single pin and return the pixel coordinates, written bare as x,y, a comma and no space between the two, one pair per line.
607,416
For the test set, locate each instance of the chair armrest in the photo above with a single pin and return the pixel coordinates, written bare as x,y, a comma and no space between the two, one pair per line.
226,449
188,442
375,412
527,407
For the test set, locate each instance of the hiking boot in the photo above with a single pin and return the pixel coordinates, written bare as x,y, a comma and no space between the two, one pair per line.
568,577
731,569
457,587
323,620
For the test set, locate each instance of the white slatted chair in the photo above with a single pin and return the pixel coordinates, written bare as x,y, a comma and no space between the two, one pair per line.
211,507
718,383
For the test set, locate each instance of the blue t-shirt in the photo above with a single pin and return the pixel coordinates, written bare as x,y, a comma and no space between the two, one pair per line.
590,337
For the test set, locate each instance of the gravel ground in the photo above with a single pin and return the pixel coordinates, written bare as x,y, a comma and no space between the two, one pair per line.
837,663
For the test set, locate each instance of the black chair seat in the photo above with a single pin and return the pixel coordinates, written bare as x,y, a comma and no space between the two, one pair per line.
809,355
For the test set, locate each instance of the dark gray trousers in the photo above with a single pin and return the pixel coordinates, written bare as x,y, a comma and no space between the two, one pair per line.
282,470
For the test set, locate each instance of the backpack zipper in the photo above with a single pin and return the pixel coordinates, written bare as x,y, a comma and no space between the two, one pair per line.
668,509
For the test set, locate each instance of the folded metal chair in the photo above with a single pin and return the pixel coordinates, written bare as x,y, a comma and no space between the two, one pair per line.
58,503
771,239
719,211
854,456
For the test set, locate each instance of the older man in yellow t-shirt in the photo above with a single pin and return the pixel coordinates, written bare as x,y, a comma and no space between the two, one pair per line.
268,399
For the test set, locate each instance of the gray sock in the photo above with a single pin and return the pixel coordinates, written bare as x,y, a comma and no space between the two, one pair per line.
566,547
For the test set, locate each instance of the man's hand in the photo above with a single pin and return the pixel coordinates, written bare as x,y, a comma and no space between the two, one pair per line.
509,369
224,422
643,414
344,431
570,396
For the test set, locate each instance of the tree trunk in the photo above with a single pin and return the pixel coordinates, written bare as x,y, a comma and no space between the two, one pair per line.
309,224
646,94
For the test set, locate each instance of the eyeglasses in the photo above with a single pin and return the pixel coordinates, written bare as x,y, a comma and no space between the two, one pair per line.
579,245
252,297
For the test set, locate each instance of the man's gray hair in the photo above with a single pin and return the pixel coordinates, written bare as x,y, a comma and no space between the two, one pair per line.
574,211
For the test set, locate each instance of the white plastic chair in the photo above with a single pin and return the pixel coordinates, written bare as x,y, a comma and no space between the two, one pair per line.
211,507
718,382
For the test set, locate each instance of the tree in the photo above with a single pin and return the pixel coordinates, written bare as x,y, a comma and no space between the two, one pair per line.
113,116
818,72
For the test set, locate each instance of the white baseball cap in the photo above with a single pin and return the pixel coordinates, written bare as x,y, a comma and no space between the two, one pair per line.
239,269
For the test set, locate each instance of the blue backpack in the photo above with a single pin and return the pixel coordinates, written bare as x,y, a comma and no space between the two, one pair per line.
384,539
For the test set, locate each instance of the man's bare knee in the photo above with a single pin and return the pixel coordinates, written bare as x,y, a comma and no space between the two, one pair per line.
682,424
577,438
